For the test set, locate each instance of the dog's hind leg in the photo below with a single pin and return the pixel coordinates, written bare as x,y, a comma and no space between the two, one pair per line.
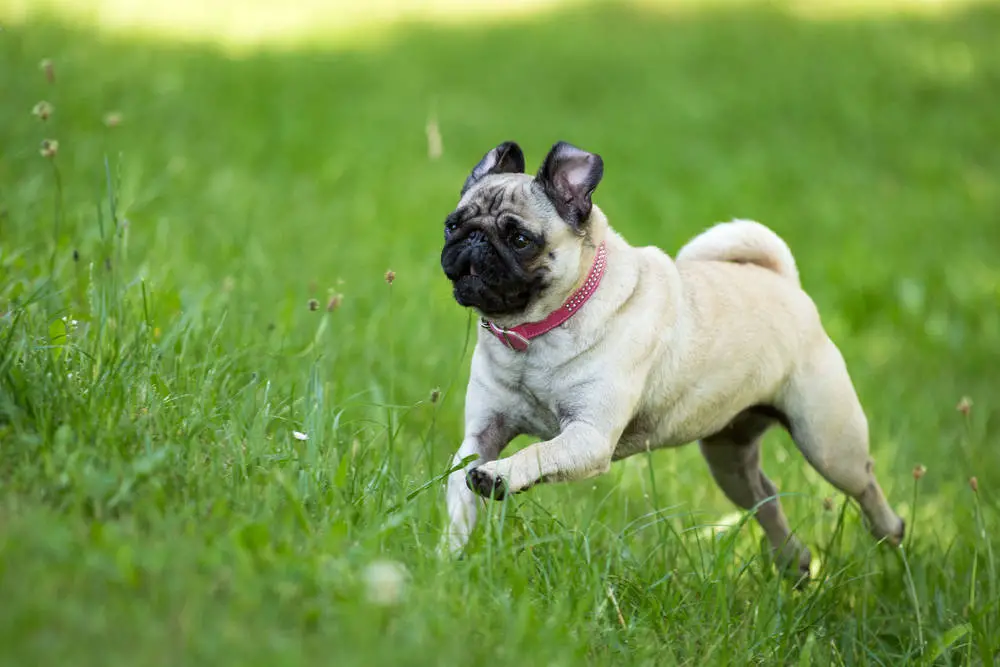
733,456
829,427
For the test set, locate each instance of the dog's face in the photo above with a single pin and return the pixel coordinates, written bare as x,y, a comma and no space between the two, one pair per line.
513,238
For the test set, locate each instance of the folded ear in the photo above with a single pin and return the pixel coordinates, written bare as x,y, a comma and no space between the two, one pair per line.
507,158
569,176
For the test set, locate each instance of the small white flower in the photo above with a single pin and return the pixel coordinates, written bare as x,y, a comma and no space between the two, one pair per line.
384,582
299,435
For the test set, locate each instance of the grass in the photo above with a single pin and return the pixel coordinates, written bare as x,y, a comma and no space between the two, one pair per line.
158,350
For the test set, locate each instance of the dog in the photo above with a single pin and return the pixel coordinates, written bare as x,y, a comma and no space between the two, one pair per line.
604,350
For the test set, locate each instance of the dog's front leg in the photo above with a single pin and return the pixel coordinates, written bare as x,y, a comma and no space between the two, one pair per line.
487,433
580,451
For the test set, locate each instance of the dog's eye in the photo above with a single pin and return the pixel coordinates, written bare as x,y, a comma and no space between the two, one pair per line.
520,241
450,228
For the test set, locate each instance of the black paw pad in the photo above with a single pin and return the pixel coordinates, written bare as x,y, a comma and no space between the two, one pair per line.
486,484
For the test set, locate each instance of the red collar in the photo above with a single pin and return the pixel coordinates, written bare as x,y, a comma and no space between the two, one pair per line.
517,338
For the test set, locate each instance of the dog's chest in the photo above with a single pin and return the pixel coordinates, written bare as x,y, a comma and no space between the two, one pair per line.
536,394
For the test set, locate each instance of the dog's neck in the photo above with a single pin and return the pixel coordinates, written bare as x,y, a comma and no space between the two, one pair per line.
596,233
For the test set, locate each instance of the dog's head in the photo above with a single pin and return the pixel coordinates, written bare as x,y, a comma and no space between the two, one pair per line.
515,241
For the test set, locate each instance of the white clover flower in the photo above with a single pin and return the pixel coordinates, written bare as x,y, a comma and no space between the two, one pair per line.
385,581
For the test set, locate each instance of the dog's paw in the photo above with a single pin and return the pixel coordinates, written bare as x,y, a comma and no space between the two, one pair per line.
486,483
448,550
896,536
797,568
452,544
901,533
792,561
892,534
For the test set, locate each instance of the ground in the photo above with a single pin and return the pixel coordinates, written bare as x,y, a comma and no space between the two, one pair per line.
223,432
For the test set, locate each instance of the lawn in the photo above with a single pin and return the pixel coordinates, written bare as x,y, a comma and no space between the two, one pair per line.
219,420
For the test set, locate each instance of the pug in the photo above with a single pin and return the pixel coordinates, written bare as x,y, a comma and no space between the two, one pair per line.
604,350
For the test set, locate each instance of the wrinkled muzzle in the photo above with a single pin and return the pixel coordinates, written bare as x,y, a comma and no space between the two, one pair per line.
481,278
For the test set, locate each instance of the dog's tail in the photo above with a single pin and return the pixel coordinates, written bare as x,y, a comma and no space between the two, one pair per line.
742,242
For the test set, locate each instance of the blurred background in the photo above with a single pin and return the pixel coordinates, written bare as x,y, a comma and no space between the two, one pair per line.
272,160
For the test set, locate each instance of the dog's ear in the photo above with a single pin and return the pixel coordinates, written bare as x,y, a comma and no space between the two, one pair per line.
507,158
569,176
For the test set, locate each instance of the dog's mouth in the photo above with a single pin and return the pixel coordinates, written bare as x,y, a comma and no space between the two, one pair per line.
471,289
469,276
476,284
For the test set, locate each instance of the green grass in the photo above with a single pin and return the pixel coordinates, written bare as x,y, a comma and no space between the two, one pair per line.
155,507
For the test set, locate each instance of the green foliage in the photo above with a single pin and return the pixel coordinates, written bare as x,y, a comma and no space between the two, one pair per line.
198,466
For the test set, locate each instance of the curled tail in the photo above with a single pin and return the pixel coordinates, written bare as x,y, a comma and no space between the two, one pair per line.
742,242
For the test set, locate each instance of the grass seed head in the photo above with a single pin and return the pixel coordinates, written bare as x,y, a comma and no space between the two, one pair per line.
919,471
48,69
49,148
390,276
434,146
42,110
964,405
